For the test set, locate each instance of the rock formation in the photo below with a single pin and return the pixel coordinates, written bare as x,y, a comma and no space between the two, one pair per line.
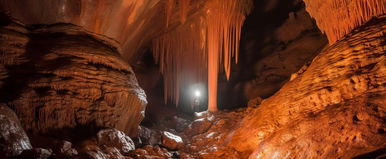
335,109
13,139
337,18
270,54
61,76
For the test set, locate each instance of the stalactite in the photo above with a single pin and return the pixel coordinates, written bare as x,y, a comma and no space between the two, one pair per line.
336,18
194,51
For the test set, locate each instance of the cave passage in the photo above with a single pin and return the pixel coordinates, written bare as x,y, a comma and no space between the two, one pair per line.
192,79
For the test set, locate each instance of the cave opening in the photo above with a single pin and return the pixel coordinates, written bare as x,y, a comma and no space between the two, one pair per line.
192,79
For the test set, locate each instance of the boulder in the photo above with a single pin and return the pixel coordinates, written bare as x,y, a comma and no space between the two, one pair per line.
171,141
62,76
149,136
199,126
115,138
13,139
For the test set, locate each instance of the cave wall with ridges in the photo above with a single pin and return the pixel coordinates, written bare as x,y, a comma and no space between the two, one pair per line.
61,76
333,109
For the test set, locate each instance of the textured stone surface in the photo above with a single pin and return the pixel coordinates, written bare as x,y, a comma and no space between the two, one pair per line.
61,76
199,126
151,152
115,138
209,144
13,139
334,109
171,141
275,45
149,136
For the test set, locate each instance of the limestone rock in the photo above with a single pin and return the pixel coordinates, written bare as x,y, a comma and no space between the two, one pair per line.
61,76
115,138
13,139
269,59
334,109
171,141
199,126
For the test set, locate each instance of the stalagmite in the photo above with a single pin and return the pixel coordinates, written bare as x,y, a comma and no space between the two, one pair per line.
198,47
347,15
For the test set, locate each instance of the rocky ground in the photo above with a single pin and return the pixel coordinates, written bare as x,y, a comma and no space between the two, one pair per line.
204,136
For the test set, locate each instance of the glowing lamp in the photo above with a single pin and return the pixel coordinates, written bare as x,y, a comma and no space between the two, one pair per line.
197,93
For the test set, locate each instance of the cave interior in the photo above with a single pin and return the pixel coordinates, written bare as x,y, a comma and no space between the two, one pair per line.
187,79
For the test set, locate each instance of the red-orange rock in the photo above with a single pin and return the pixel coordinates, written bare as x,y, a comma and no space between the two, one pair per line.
334,109
171,141
61,76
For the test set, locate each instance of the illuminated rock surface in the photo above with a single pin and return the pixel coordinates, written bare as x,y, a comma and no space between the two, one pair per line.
336,18
73,76
335,108
13,139
60,76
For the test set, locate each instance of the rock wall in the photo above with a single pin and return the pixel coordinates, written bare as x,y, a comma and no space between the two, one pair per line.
336,108
274,45
61,76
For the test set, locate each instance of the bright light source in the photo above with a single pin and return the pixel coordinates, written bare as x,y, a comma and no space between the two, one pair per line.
197,93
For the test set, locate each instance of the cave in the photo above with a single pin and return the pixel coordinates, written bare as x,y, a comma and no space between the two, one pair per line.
192,79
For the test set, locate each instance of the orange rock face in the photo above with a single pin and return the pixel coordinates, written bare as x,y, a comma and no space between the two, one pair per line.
61,76
334,109
337,18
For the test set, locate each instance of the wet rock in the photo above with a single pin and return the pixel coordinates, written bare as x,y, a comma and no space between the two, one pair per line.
112,153
36,153
171,141
184,155
13,139
115,138
149,151
333,109
199,126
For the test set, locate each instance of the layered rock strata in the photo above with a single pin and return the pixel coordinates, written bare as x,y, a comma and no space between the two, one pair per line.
61,76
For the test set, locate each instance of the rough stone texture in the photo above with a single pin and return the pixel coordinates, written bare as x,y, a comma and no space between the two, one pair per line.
271,50
295,47
209,144
171,141
199,126
335,109
151,152
13,139
61,76
115,138
336,18
149,136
